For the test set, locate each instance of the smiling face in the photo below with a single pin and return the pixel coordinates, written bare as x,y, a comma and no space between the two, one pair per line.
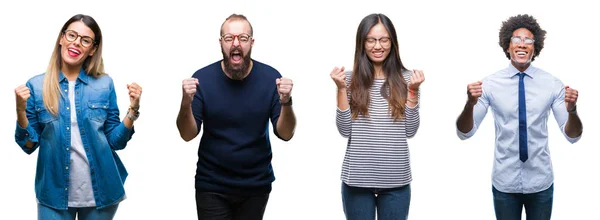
236,46
378,44
521,48
74,52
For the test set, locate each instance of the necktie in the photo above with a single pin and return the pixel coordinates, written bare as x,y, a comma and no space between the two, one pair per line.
522,120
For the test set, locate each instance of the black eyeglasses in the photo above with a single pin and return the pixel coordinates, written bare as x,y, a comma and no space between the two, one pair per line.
86,41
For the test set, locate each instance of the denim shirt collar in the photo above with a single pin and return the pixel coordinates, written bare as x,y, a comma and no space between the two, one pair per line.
83,76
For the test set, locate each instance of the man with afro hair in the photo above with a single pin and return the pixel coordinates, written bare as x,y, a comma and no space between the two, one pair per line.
521,97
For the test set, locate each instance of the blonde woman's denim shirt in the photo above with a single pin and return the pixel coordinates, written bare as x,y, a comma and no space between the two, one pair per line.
102,133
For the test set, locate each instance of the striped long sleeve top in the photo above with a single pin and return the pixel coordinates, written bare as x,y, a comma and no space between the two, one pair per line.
377,154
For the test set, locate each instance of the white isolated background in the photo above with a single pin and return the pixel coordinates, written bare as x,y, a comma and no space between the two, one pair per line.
159,43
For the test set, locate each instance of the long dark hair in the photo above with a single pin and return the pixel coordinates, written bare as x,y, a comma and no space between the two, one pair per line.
394,88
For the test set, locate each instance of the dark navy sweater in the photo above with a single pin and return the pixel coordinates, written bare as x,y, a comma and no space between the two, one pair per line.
234,156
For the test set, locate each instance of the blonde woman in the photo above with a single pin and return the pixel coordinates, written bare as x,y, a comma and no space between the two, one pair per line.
70,114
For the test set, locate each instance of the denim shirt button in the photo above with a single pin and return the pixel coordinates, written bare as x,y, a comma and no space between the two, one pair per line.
66,189
68,128
67,149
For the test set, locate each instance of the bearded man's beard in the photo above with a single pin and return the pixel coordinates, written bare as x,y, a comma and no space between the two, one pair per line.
236,71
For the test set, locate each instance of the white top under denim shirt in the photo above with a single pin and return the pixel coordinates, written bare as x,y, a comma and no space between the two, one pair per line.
543,92
102,134
80,181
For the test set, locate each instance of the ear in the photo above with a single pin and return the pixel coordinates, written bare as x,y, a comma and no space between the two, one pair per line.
61,41
252,42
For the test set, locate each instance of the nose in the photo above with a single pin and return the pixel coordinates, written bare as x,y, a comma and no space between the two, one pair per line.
77,41
377,45
522,44
236,41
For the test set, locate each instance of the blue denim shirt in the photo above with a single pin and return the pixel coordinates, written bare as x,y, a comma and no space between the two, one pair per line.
102,133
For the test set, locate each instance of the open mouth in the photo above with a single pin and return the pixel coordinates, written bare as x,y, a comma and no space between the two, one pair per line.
236,56
521,54
73,52
378,54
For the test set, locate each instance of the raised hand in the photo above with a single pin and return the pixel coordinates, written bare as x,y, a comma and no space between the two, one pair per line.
416,79
570,98
135,93
339,77
474,91
22,93
284,88
188,87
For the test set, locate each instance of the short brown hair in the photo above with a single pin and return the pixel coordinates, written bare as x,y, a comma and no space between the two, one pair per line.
234,17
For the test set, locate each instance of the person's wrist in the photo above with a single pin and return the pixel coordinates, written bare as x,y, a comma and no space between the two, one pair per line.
471,103
133,113
573,111
134,107
287,102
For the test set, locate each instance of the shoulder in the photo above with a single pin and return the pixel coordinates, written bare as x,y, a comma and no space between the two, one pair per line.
208,70
37,80
547,77
100,82
265,69
496,76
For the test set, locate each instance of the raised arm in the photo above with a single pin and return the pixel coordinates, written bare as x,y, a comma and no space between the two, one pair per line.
118,132
27,128
474,111
343,118
286,124
412,103
186,123
565,113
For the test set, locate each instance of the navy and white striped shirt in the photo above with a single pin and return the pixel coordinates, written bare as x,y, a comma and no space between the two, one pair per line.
377,154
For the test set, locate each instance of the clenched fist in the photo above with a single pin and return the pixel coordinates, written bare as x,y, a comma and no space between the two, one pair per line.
339,77
570,98
284,88
22,93
188,87
135,93
474,91
416,79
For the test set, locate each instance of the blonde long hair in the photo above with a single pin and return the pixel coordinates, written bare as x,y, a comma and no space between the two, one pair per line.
93,65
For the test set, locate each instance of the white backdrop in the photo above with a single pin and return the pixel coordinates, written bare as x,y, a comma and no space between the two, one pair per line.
157,44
